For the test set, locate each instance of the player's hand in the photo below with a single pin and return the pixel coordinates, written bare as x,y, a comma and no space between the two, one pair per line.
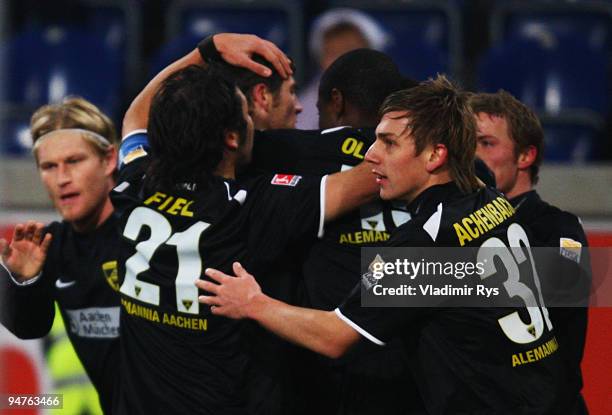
25,255
232,295
237,49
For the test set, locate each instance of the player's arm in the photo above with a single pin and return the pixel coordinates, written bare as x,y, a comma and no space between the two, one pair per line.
235,49
25,256
26,307
348,190
241,297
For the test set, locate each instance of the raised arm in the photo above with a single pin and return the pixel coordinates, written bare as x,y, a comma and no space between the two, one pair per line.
241,297
25,256
349,189
235,49
26,306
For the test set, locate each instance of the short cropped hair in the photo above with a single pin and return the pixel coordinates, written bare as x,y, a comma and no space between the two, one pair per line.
524,127
190,115
365,77
439,114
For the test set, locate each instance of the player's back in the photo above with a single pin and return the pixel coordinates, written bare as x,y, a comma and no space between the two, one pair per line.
499,359
175,352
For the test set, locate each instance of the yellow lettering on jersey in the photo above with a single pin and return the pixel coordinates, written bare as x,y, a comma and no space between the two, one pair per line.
483,220
185,211
361,237
353,147
152,315
158,197
462,235
466,224
502,209
536,354
164,203
178,204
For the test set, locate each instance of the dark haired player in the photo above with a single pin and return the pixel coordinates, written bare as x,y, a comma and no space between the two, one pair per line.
272,100
511,142
462,357
182,210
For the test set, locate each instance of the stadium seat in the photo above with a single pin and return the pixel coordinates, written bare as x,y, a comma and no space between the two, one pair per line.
571,142
551,74
425,36
41,66
586,20
15,138
190,21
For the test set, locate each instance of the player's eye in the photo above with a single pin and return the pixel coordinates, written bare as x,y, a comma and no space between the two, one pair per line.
47,166
485,143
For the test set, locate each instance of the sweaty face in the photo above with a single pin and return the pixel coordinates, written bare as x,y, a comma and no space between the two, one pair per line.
400,173
285,106
76,177
496,149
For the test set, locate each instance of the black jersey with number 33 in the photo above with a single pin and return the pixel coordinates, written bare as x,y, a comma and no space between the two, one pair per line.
472,360
176,357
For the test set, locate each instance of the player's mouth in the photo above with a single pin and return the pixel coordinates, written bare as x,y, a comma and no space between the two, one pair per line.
380,178
68,198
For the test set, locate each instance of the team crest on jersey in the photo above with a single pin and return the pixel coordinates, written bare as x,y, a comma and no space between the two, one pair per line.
570,249
285,180
112,276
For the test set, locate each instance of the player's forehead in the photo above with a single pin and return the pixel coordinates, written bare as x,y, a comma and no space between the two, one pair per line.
393,124
288,83
62,145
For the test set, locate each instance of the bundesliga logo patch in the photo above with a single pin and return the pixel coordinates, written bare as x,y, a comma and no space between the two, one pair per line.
570,249
285,180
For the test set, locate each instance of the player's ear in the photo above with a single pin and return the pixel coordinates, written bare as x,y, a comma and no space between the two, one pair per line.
232,140
527,157
110,161
437,157
336,103
261,98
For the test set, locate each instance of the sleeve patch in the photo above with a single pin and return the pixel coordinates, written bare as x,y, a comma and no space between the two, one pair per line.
134,154
285,180
570,249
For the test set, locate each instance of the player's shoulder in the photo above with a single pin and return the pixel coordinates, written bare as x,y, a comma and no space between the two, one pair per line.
551,224
274,182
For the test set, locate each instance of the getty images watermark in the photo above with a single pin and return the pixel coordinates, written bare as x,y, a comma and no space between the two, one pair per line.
490,276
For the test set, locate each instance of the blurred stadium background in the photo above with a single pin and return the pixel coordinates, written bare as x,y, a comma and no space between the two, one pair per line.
556,56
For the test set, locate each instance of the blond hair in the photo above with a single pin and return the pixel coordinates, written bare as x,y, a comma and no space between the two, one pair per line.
74,112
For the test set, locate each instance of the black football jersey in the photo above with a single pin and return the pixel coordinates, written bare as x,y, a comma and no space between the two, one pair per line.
471,360
571,275
331,265
80,273
176,356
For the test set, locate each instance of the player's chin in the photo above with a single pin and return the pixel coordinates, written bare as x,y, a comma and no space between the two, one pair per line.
385,194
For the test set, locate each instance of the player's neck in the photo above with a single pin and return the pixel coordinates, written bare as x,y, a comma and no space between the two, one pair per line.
226,168
522,185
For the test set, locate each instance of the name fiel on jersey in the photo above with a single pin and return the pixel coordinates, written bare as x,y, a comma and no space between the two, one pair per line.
176,356
471,360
